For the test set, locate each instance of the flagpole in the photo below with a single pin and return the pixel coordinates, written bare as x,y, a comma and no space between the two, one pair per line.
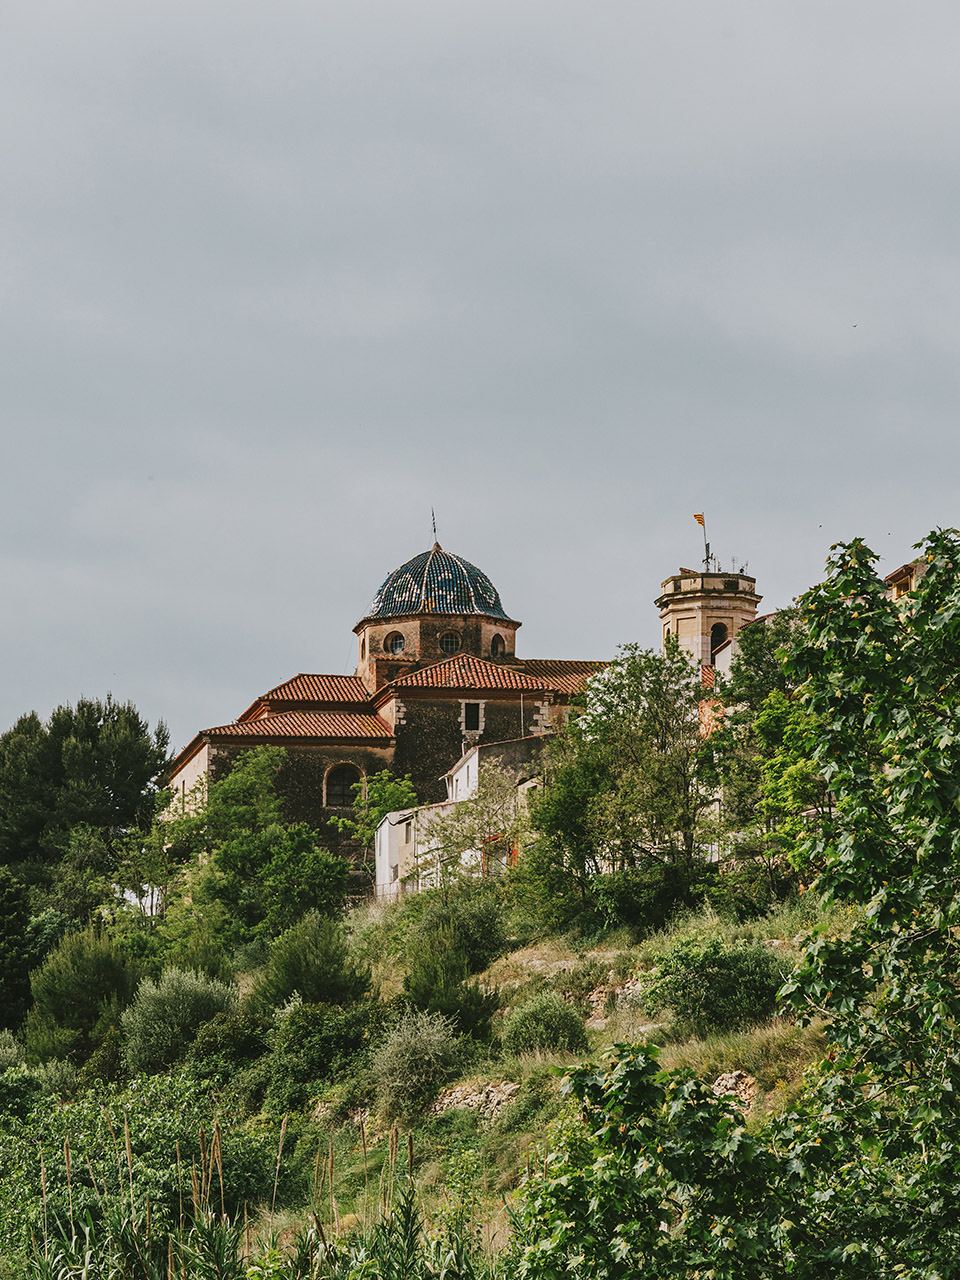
699,517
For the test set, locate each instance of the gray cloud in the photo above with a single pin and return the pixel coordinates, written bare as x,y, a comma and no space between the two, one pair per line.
275,281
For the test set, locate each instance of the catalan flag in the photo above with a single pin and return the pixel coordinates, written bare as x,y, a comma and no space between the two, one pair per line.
698,516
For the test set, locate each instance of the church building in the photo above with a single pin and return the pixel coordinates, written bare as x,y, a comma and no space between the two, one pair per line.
437,673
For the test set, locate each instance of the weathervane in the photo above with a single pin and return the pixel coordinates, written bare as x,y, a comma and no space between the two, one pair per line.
434,521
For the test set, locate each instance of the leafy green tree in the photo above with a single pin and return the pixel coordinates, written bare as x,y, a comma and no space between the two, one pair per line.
624,785
15,950
78,993
312,960
762,755
376,796
862,1179
479,835
92,766
264,872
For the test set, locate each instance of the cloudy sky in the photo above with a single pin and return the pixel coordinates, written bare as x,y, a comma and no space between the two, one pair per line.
276,279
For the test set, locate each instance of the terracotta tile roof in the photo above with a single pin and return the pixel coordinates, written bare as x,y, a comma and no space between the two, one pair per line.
564,675
305,724
466,672
308,690
316,688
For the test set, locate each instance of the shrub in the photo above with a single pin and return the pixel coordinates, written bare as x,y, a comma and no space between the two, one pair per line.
471,916
312,958
643,898
231,1039
710,987
315,1043
78,992
436,983
20,1087
545,1022
415,1059
750,891
11,1055
165,1016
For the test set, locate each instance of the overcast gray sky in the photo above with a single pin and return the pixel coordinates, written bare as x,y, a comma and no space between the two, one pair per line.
277,278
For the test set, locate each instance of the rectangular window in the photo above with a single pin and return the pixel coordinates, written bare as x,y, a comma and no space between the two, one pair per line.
408,832
471,715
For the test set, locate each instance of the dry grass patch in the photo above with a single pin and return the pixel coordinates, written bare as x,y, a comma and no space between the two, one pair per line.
775,1054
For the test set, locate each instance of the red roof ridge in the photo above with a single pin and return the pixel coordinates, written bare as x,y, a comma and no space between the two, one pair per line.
498,675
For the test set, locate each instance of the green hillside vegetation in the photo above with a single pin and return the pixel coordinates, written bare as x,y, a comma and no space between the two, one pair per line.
704,1027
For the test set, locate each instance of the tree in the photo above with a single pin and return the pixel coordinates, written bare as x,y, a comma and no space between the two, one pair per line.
78,993
379,794
266,873
15,950
624,785
862,1179
479,835
761,755
92,765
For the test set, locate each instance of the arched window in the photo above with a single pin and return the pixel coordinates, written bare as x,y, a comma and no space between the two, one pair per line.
450,642
718,634
340,783
497,647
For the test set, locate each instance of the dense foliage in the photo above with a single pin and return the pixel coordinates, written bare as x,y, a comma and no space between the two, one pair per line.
209,938
862,1179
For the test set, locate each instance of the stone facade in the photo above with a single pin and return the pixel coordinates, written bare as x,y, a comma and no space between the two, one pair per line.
437,673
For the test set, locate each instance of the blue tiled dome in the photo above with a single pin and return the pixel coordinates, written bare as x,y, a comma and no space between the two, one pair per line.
437,582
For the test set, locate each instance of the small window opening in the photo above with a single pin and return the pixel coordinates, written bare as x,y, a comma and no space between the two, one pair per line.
471,715
394,643
450,642
497,647
718,635
407,832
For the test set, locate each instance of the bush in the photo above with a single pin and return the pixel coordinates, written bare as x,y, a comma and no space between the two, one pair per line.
710,987
471,915
416,1058
643,898
78,993
165,1016
11,1055
311,959
750,891
545,1022
230,1040
436,983
316,1043
20,1088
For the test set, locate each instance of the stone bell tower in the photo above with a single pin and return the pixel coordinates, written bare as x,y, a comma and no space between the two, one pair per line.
704,609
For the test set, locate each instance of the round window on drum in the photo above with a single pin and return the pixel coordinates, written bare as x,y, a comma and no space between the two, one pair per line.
394,643
450,642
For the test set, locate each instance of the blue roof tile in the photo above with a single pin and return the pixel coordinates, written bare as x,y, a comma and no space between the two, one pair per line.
436,582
